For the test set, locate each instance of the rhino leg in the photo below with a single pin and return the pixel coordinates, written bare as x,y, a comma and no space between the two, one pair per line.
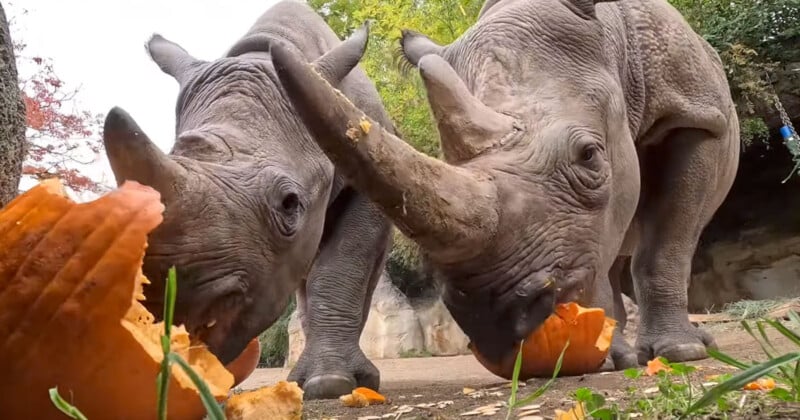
685,178
337,294
607,295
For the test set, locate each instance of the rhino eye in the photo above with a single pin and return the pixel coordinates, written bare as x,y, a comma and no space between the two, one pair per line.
588,152
290,203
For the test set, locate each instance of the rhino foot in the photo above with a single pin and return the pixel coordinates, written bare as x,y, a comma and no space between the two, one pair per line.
331,374
621,357
683,344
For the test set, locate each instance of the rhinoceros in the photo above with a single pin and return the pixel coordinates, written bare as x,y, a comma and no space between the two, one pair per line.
573,133
255,211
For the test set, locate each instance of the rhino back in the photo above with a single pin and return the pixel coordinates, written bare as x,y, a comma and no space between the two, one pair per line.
683,80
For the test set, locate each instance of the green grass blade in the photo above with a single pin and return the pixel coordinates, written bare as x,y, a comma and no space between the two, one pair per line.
795,319
64,406
743,378
728,360
162,379
212,407
169,301
512,399
162,385
538,393
791,335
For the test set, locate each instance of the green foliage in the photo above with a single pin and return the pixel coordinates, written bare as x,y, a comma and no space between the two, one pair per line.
784,369
754,39
403,94
514,403
275,340
70,410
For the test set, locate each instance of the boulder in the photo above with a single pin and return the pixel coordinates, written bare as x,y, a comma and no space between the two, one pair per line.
396,329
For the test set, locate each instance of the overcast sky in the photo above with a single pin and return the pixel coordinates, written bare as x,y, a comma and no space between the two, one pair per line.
99,45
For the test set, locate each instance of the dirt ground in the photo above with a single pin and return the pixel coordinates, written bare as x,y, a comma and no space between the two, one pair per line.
434,388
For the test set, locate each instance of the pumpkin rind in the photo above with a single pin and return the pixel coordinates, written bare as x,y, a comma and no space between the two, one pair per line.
589,333
69,277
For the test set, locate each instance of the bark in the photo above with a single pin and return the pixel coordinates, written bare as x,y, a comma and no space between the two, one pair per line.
12,117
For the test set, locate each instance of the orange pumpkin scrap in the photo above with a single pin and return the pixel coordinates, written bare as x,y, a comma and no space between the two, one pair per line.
282,401
362,397
763,384
244,365
575,413
589,333
70,317
656,365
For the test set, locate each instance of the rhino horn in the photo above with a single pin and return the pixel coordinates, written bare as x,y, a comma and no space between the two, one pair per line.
133,156
449,211
337,63
466,125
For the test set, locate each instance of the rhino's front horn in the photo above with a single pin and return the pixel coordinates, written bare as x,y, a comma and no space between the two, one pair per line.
450,211
467,126
134,157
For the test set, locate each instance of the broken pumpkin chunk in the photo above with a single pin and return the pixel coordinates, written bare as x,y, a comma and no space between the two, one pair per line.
588,331
70,286
656,365
282,401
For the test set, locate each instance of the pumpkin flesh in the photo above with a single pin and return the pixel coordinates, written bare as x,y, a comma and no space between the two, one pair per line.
588,331
70,281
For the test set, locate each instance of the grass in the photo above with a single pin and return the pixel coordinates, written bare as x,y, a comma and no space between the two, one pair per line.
213,409
679,393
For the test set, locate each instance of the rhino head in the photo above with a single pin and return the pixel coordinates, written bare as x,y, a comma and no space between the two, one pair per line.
245,190
539,175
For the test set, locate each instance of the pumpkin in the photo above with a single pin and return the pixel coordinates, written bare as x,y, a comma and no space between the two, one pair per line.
70,311
282,401
246,363
589,333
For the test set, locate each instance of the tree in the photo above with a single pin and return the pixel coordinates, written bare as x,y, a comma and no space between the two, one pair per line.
59,138
12,121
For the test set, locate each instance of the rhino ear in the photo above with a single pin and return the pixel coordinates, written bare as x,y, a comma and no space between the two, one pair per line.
171,57
337,63
415,45
586,8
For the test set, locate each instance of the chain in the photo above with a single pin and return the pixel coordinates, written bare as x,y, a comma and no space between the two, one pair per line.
779,106
791,143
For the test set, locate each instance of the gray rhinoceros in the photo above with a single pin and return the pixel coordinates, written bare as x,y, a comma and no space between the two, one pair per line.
573,133
255,211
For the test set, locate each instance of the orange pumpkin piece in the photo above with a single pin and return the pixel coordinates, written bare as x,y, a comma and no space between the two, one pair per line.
763,384
371,396
656,365
354,400
70,285
575,413
282,401
244,365
589,333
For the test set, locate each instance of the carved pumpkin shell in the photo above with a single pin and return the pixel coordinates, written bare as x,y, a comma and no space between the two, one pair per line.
589,333
70,281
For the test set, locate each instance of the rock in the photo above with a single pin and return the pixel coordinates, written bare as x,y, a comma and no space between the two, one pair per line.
396,329
443,337
760,264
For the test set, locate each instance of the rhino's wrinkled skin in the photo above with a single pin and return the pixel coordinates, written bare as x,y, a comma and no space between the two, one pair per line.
572,133
255,211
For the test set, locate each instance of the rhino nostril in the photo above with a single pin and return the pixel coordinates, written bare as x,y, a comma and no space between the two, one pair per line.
531,312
